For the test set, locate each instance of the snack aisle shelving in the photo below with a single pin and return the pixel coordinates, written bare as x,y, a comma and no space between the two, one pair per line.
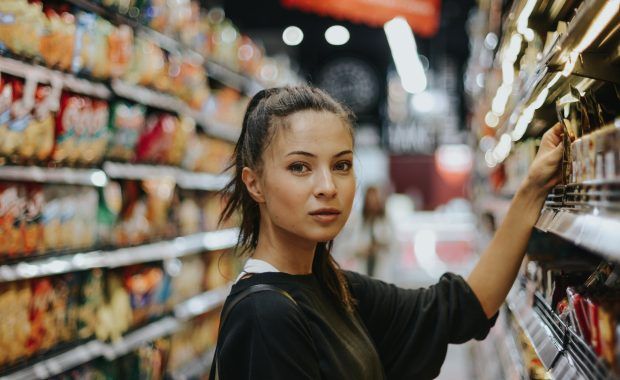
535,64
110,248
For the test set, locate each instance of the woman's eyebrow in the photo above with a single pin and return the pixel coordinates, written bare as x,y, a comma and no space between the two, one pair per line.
308,154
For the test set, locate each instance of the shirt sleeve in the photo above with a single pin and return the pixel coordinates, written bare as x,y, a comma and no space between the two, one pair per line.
412,328
266,337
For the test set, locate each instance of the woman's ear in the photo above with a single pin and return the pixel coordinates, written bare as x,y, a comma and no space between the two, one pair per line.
252,183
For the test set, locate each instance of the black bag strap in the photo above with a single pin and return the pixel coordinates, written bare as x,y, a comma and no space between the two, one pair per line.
214,375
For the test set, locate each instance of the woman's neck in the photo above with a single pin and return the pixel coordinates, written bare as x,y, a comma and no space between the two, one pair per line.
285,251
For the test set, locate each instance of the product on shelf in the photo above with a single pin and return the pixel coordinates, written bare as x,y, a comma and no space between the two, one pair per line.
149,289
21,36
91,299
155,143
127,122
12,205
110,206
15,300
58,38
187,280
13,127
194,340
38,137
115,316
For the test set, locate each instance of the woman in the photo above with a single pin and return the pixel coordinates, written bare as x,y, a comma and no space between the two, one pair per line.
294,187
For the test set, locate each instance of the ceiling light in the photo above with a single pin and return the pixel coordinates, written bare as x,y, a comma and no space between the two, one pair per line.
405,54
337,35
292,36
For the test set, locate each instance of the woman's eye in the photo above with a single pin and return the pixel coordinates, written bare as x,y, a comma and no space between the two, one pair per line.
343,166
298,167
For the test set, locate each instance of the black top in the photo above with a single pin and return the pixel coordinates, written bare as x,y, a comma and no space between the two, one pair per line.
395,333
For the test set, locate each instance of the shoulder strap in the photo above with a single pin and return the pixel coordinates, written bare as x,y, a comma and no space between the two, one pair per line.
214,375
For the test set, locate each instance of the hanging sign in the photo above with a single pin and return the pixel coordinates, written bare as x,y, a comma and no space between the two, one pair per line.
423,15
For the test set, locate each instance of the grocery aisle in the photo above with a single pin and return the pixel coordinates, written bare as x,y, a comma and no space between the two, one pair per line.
118,123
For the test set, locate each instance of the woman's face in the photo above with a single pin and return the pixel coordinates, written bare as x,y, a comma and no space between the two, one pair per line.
307,181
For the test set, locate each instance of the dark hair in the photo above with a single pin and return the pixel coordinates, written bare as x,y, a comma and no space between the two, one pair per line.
266,112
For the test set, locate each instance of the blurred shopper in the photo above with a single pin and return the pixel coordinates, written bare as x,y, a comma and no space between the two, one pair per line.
375,236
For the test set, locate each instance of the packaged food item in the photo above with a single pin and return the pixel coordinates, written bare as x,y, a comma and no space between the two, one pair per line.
121,50
51,218
154,145
126,123
109,209
33,226
58,38
133,225
43,333
91,54
38,136
23,28
189,214
187,280
142,283
115,316
15,330
11,207
94,140
84,230
21,105
160,194
69,128
147,63
185,130
91,299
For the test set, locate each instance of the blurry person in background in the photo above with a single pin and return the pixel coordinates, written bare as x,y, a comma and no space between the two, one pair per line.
374,237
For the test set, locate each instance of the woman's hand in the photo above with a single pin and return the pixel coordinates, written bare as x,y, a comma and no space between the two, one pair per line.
544,172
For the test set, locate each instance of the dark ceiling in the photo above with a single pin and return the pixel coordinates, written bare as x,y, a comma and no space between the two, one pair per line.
264,20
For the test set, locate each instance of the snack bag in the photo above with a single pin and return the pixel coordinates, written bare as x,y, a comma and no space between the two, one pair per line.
69,128
58,39
22,103
33,227
120,50
91,298
11,242
126,125
43,334
141,283
38,137
51,218
133,226
95,140
6,99
15,298
159,199
22,26
109,208
185,131
155,143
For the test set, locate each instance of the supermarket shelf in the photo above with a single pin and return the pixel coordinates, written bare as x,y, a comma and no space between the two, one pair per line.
178,247
148,333
564,354
44,75
196,368
185,179
215,71
590,64
59,363
595,232
232,79
201,303
87,177
147,96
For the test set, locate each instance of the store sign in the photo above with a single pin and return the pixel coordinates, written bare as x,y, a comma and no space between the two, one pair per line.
423,15
408,139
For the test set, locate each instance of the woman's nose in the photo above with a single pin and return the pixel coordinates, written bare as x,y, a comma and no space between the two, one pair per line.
325,186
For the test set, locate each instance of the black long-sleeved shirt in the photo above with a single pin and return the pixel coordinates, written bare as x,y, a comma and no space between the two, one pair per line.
395,333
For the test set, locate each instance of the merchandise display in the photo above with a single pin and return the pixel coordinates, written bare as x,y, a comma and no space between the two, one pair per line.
537,74
113,146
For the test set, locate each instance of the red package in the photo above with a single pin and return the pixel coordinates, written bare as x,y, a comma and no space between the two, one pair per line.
595,332
156,141
579,313
69,127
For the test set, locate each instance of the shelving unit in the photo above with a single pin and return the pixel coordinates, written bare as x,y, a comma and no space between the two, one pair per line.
177,247
561,351
69,176
84,353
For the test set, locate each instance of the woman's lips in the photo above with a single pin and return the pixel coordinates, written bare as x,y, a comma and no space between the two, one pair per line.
325,215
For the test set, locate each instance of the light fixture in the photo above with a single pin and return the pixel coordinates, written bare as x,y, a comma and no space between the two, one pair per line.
292,36
491,119
337,35
405,54
490,41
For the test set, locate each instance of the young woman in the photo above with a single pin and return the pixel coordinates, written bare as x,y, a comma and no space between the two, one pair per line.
294,186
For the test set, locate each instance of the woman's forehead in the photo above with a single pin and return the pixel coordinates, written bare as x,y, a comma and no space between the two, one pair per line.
320,130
